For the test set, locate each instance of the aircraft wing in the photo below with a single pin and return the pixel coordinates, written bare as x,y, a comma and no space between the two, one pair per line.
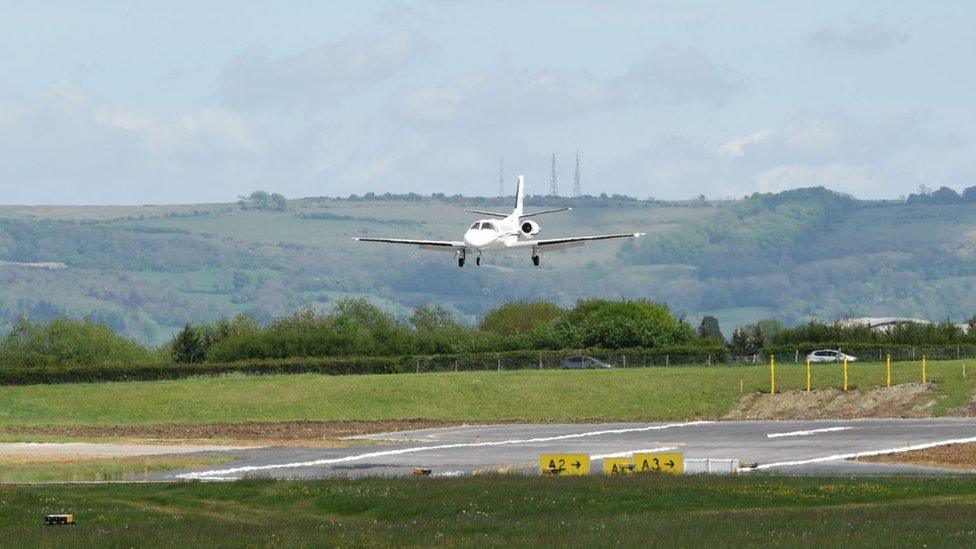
570,242
441,245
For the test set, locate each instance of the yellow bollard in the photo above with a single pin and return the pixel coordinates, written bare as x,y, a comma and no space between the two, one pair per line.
808,374
923,368
772,375
888,370
845,373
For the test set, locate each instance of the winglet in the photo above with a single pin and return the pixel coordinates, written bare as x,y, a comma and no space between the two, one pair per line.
638,235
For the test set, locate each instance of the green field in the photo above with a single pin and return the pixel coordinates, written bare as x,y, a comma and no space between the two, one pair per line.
654,393
642,510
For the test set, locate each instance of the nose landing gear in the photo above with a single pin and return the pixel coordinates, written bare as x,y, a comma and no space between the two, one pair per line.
477,260
460,256
535,259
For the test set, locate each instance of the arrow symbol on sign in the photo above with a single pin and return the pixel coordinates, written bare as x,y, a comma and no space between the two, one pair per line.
577,464
671,464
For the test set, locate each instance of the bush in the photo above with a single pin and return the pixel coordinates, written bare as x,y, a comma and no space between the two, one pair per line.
605,324
520,317
67,342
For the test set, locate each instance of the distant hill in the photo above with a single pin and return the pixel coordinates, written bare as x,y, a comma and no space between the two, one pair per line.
796,255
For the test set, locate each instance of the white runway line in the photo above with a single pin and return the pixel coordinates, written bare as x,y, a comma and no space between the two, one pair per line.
838,457
807,432
629,453
401,451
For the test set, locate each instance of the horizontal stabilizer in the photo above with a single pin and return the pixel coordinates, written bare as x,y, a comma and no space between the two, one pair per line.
482,212
543,212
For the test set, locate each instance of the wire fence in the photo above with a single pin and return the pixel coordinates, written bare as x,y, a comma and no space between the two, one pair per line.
642,358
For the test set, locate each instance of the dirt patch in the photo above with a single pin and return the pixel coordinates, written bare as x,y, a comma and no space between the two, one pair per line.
255,430
957,456
908,400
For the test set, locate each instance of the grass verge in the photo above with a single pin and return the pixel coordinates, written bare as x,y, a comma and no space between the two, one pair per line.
34,469
522,511
656,393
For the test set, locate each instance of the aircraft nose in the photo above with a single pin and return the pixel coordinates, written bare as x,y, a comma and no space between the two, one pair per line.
475,239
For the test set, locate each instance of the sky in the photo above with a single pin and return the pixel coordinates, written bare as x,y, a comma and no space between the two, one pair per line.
186,102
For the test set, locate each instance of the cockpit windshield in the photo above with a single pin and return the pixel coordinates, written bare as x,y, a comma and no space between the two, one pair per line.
475,226
488,226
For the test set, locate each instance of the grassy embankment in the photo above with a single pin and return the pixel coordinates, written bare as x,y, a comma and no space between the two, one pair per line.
657,393
520,511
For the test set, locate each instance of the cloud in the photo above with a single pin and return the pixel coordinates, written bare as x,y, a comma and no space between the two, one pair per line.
318,76
186,132
681,76
366,170
506,94
64,146
736,146
857,35
522,96
434,105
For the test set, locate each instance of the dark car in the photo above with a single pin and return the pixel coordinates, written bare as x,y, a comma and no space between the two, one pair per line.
582,362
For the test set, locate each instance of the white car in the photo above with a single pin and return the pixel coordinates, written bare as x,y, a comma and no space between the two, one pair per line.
827,355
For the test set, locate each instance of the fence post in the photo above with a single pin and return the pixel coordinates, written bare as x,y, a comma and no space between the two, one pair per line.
888,370
808,374
499,364
667,360
772,374
625,361
709,360
845,373
455,364
540,362
418,365
923,368
796,356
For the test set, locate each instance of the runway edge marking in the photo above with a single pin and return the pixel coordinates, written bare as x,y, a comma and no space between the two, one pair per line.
807,432
629,453
417,449
869,453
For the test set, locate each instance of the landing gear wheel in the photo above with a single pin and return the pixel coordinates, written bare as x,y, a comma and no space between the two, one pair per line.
460,261
535,260
477,261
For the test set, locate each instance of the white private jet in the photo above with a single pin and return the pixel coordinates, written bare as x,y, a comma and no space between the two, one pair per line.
512,232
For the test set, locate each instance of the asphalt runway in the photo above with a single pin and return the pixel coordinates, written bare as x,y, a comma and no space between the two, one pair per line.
782,447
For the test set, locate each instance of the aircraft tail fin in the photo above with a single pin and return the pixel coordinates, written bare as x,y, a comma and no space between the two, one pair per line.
519,196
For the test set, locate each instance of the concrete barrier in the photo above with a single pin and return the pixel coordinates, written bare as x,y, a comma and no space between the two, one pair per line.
711,466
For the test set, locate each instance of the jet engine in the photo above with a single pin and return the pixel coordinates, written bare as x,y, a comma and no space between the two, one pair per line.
530,228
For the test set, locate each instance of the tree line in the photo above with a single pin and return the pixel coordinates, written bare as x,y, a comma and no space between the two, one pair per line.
358,328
